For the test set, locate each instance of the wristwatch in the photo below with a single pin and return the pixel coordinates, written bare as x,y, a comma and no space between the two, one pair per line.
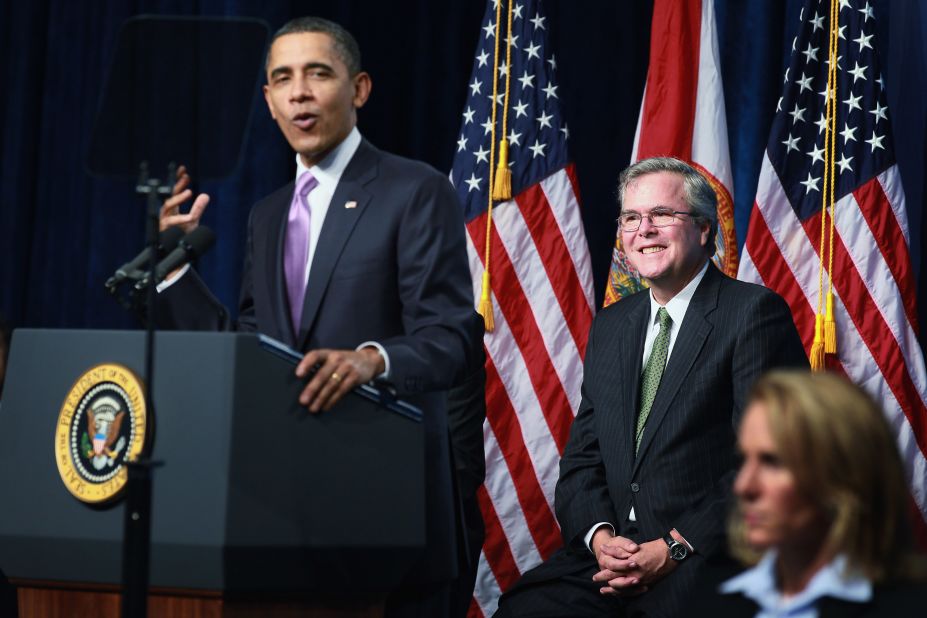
678,551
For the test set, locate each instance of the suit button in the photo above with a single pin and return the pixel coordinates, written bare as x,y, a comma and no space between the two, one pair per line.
635,487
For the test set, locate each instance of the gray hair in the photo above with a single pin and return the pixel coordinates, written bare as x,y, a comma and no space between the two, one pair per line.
345,44
697,191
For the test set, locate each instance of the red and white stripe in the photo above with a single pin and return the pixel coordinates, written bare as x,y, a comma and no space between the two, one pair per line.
542,297
875,297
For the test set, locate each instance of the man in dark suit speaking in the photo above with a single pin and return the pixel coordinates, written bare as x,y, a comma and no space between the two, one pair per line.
360,262
645,478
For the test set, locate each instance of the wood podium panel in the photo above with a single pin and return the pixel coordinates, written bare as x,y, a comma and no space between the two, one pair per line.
67,600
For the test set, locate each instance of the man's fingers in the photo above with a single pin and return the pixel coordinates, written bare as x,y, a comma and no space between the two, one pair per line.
615,567
627,591
183,180
620,543
339,371
171,216
309,363
312,391
615,552
326,380
199,206
336,383
310,359
616,580
172,204
181,221
344,378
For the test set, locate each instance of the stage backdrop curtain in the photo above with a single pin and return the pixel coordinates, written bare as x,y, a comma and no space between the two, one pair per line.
63,232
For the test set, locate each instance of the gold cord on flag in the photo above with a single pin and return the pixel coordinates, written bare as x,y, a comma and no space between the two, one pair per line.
830,326
485,305
825,331
502,187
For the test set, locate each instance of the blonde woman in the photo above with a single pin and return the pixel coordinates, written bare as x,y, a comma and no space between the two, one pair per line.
821,507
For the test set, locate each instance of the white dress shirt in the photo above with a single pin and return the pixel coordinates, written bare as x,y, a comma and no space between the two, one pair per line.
327,172
833,580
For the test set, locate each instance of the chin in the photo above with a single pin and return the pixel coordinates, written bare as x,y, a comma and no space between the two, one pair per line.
761,540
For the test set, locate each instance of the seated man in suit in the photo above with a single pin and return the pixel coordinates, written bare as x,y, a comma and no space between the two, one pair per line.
645,478
360,262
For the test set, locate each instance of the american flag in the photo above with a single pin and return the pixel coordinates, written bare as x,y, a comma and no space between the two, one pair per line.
682,115
542,293
873,279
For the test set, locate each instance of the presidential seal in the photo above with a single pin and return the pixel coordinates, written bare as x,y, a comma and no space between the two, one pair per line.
102,424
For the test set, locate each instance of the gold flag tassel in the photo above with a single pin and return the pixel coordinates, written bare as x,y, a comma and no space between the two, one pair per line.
484,307
502,185
823,319
817,346
830,327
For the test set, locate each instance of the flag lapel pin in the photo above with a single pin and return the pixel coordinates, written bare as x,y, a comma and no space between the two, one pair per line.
351,204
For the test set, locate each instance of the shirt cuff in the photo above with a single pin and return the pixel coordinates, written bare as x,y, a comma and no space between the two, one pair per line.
379,348
687,543
588,538
172,280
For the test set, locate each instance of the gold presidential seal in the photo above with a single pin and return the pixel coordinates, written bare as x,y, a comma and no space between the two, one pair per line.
102,425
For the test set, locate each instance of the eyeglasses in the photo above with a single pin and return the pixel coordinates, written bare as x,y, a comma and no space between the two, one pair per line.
658,217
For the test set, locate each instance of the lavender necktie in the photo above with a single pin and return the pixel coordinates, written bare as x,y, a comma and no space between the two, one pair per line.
296,246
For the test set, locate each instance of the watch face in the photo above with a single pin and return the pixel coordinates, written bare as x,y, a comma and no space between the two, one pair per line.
678,551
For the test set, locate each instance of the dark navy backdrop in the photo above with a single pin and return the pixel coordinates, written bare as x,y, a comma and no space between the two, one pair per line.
62,232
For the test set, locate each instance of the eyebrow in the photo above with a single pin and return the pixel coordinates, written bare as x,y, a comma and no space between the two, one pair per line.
657,207
285,70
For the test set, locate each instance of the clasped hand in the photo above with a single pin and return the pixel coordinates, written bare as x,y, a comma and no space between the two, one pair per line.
629,568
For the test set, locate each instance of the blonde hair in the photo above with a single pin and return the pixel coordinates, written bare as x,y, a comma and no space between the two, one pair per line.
836,442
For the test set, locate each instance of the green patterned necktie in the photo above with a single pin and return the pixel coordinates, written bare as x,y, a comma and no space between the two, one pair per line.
650,380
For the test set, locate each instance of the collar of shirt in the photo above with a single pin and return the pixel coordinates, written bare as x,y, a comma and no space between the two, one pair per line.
833,580
328,172
676,307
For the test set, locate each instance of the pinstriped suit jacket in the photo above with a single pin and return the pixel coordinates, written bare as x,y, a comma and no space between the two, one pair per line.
681,477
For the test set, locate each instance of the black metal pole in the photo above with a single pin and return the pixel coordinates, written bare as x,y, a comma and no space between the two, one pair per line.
136,543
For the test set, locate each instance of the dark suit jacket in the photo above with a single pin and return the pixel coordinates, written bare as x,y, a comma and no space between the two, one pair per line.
390,269
732,332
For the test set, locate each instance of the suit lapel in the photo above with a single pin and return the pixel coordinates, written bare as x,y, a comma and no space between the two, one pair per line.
693,332
337,228
630,369
273,266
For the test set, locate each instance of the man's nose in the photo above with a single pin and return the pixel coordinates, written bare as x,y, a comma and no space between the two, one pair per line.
302,89
646,225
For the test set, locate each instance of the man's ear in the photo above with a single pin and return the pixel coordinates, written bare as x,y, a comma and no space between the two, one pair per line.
267,100
706,233
362,86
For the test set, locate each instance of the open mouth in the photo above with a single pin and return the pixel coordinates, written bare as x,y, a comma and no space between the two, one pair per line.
648,250
305,120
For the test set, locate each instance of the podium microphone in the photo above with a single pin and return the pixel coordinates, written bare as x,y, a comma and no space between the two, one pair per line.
134,268
193,245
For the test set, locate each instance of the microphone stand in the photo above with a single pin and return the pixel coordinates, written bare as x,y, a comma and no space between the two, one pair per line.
136,544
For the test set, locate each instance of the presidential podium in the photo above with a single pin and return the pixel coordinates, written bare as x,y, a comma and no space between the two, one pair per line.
258,508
